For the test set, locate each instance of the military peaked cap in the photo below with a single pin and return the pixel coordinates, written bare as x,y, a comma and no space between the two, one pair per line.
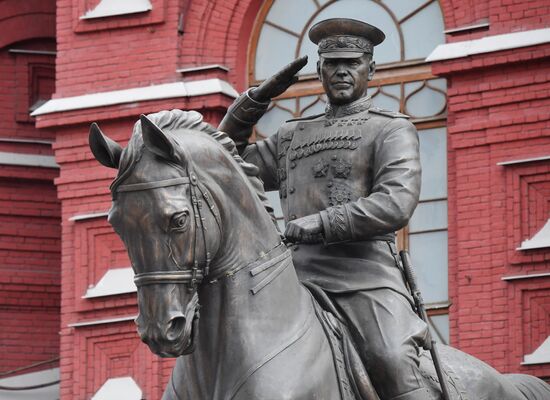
345,37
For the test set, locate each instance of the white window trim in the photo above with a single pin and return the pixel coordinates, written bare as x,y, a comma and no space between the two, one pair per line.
34,378
540,356
102,321
540,240
119,388
83,217
111,8
27,160
115,281
450,51
134,95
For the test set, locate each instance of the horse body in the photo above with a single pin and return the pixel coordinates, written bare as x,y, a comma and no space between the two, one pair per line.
195,228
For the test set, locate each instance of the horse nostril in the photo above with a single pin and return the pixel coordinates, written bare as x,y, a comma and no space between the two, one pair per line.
175,327
143,337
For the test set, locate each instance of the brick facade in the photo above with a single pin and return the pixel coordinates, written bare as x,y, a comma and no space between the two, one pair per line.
30,250
498,106
141,51
497,112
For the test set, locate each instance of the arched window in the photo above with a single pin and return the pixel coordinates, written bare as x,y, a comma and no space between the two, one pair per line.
403,82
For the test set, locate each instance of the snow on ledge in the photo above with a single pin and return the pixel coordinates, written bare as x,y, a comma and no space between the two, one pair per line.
449,51
540,356
154,92
119,388
539,241
32,378
115,281
111,8
27,160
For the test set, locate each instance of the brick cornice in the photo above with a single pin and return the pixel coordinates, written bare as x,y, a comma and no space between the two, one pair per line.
134,109
488,60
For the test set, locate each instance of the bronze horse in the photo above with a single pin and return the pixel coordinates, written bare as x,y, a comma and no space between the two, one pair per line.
195,229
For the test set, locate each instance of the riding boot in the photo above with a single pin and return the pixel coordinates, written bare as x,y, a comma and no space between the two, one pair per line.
388,336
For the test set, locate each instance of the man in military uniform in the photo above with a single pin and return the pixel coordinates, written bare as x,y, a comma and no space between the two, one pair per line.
348,179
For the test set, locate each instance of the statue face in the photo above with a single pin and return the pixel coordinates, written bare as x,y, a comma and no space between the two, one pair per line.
345,79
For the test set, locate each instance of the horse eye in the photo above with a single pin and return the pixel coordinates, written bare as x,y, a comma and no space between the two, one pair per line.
180,221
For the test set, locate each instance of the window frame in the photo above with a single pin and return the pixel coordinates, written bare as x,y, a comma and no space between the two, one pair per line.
401,73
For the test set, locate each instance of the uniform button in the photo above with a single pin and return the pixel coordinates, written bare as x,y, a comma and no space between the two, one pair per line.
291,190
334,157
301,127
292,165
292,217
329,184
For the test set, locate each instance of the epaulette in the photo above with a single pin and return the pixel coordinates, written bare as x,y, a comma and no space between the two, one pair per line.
306,118
387,113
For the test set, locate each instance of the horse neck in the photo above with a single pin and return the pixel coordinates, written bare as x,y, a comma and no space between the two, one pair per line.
248,231
238,328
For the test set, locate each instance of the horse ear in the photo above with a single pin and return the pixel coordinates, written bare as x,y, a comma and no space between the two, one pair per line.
105,150
157,141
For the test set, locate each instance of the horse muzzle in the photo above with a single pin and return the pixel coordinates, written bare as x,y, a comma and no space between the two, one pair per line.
174,338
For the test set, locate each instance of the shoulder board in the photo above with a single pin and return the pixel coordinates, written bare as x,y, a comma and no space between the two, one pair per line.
306,118
387,113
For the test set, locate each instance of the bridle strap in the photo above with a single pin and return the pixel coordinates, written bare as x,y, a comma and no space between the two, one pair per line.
178,277
194,275
134,187
197,205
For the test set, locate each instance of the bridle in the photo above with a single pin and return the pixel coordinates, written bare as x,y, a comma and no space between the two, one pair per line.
193,275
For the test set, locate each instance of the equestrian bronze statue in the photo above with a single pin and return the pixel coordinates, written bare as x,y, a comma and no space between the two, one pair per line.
249,317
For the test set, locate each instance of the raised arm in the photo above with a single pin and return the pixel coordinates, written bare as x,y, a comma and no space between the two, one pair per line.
250,106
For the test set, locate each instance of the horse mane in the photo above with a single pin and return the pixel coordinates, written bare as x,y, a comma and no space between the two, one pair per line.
192,120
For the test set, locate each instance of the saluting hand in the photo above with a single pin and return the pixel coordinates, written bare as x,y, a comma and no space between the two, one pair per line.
278,83
308,229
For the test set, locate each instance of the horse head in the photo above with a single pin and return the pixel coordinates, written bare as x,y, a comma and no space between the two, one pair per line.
172,202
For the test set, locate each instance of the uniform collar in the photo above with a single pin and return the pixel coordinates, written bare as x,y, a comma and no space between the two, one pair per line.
338,111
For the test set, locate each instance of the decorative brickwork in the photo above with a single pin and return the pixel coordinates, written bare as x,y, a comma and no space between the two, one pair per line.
30,232
498,112
29,267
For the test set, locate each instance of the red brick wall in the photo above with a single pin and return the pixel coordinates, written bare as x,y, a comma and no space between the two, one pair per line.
29,267
116,52
29,209
218,32
16,93
26,20
517,15
133,51
498,111
503,16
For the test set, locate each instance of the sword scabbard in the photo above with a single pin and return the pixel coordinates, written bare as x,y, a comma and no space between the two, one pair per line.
431,344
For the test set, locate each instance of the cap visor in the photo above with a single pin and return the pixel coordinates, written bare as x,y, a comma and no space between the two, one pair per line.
342,54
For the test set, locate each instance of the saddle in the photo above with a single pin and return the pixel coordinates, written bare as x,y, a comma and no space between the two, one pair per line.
354,381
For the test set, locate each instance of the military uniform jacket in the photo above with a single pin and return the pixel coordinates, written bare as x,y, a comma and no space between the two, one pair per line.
358,167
